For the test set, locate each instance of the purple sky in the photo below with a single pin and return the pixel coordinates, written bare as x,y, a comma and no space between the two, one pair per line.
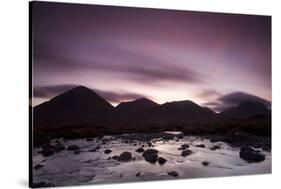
165,55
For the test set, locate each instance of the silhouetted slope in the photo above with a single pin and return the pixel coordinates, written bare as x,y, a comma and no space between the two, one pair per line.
245,110
79,103
136,106
80,113
181,112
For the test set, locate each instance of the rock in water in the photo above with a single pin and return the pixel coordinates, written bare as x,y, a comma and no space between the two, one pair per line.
215,148
58,147
251,155
76,152
180,136
47,150
161,160
107,151
149,151
150,155
125,156
186,153
183,147
205,163
38,166
200,146
173,173
140,150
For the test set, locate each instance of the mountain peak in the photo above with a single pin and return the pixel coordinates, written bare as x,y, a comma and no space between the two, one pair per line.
245,109
80,88
136,105
79,103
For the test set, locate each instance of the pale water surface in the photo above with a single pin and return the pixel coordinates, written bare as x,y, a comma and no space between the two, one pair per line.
66,168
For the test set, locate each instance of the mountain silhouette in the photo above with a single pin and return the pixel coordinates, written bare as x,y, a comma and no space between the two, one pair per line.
82,104
181,112
136,106
245,110
77,104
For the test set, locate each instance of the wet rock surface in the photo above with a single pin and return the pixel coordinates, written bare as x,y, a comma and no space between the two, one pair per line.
205,163
173,173
200,145
140,150
125,156
186,153
251,155
183,147
38,166
150,155
107,151
215,148
161,160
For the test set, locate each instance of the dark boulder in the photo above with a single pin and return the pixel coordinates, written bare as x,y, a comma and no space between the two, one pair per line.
140,150
251,155
115,157
149,151
183,147
47,150
215,148
173,173
200,146
161,160
149,144
38,166
138,174
180,136
186,153
205,163
125,156
107,151
58,147
150,155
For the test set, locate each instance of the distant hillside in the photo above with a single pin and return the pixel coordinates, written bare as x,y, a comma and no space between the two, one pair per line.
77,104
80,105
245,110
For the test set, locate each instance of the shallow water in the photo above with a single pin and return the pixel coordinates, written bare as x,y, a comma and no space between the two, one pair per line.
66,168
